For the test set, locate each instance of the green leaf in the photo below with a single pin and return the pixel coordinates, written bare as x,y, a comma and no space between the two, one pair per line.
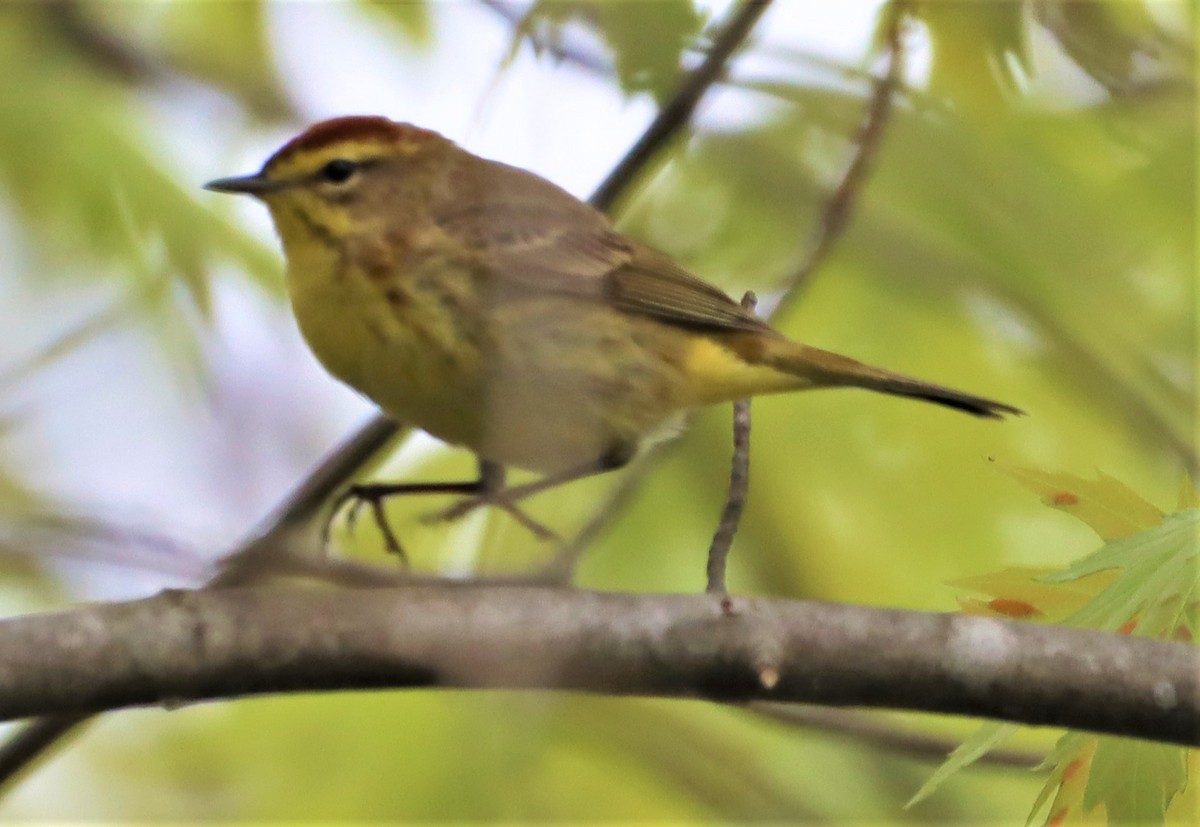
977,49
1156,566
1065,761
1109,507
1173,617
1135,780
1170,538
647,40
968,752
1020,594
1157,578
410,17
1111,40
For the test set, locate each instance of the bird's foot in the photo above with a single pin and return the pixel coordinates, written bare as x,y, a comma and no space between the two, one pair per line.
370,496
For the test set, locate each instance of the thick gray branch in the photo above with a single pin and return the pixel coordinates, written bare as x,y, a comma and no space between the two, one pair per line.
204,645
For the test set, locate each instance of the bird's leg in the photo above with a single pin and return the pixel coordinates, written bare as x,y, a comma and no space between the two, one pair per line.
491,485
507,498
491,479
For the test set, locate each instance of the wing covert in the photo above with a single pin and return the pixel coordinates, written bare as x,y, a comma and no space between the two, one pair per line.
532,234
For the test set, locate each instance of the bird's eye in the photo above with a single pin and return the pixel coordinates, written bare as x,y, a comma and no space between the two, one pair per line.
338,171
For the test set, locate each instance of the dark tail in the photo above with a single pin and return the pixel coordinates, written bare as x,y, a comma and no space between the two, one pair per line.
825,369
916,389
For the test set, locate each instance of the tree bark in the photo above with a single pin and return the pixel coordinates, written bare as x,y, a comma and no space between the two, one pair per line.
180,647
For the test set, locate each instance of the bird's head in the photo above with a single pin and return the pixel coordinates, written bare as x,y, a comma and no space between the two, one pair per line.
345,177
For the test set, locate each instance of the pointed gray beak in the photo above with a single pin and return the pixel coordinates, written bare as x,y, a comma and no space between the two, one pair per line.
256,185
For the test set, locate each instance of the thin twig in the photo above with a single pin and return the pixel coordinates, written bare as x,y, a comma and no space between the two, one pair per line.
739,485
562,568
833,221
30,741
85,537
102,48
682,104
263,551
838,208
670,119
593,61
120,58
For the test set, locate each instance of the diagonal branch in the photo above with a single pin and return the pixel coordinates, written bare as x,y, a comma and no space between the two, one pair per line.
679,109
839,207
211,644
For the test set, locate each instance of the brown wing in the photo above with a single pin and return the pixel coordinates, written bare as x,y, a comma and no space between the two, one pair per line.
651,283
532,234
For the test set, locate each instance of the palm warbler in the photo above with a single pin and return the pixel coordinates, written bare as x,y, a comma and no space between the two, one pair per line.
497,311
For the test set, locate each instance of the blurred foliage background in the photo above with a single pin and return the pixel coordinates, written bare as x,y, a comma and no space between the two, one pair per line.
1027,232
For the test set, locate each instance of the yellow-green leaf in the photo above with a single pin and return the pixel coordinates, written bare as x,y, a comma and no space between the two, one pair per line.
985,738
647,40
1111,508
1135,780
1019,592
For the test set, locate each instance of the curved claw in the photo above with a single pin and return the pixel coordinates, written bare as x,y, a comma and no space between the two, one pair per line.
357,496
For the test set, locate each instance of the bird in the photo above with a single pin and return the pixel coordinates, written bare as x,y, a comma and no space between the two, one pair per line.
496,311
